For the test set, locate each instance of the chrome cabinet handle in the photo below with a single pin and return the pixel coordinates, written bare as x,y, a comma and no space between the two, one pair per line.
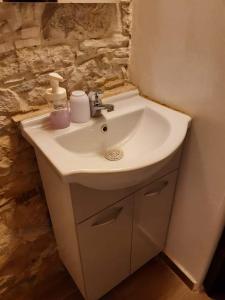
157,190
112,217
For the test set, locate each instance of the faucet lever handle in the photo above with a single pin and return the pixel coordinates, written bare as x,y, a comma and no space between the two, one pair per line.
95,95
99,92
91,96
98,97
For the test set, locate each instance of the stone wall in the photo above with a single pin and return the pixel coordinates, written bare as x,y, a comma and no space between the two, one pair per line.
88,44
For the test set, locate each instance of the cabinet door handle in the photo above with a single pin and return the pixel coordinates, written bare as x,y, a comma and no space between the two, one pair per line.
157,190
112,217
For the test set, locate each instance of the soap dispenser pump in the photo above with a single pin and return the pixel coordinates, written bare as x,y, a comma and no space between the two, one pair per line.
60,116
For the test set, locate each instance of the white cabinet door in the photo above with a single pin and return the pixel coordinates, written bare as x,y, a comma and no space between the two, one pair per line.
105,246
152,210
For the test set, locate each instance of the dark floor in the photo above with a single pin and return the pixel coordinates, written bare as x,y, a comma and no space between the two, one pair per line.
155,281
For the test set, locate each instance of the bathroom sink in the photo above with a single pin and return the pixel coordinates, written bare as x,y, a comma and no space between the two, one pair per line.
120,149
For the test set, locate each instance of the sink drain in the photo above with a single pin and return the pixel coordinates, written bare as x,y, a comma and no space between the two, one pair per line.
113,154
104,128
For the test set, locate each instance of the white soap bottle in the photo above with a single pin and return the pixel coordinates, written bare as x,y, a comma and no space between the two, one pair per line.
60,115
79,107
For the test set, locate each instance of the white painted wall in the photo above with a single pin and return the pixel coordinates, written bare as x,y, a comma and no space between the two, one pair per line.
178,57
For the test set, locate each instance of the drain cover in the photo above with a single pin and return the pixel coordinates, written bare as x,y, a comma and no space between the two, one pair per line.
113,154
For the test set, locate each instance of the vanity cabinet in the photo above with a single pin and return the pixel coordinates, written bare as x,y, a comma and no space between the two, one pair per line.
103,242
104,235
152,208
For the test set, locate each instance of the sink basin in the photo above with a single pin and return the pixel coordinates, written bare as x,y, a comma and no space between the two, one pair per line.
145,134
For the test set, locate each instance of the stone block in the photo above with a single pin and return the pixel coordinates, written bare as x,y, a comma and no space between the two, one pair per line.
82,57
30,33
88,67
38,11
24,86
75,80
6,47
44,59
24,163
4,124
8,243
124,71
37,96
117,41
126,17
26,259
122,52
14,81
27,43
29,229
120,61
5,166
105,51
19,186
113,84
11,103
13,17
27,14
101,81
83,21
8,65
5,29
12,144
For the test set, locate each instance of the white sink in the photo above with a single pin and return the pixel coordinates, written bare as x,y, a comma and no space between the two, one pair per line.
148,134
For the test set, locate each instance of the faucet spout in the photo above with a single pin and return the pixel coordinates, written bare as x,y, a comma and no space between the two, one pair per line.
109,107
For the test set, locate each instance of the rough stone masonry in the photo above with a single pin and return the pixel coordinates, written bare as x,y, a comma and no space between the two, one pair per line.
88,44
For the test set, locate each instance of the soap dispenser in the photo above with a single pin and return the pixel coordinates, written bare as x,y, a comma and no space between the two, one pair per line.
60,116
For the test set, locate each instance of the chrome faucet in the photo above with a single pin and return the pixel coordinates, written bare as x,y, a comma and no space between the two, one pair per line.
96,104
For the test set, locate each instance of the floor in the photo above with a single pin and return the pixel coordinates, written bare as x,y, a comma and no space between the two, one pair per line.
154,281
